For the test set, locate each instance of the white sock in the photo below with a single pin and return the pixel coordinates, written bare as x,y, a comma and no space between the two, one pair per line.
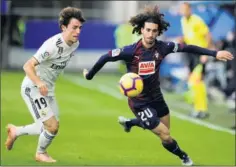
45,140
31,129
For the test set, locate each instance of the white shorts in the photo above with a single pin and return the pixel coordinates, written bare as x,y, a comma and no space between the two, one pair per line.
41,107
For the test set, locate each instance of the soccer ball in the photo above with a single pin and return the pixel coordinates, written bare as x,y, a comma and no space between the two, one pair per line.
131,84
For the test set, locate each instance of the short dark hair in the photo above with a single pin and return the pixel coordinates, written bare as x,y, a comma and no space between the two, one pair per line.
187,3
68,13
150,14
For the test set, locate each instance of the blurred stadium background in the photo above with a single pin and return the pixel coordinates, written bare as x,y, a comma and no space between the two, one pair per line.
90,134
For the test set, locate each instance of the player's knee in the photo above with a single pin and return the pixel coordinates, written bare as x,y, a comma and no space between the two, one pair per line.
165,136
163,132
52,126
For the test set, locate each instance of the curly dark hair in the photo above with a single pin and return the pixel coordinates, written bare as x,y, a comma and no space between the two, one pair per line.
68,13
150,14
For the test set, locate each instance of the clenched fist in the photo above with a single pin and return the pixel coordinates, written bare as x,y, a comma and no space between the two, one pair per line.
43,89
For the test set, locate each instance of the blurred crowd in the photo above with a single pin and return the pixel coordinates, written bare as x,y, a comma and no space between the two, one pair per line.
219,76
208,80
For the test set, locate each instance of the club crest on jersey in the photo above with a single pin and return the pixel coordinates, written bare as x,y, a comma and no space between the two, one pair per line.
156,55
115,52
146,68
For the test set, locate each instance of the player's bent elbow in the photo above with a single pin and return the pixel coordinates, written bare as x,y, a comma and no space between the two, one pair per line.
27,67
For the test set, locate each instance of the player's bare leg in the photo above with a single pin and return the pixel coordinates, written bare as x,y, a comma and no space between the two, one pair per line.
50,130
11,136
170,144
166,120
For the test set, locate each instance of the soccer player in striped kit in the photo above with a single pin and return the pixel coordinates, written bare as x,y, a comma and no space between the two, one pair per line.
37,89
144,58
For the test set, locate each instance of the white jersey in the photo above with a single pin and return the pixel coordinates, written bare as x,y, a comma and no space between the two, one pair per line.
53,56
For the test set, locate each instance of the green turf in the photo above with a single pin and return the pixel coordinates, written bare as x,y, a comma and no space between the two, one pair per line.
90,135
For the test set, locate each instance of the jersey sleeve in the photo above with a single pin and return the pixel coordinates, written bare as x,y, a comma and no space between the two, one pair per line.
113,55
124,53
170,47
45,52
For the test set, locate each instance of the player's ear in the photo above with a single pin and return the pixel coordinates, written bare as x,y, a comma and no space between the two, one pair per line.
63,28
142,29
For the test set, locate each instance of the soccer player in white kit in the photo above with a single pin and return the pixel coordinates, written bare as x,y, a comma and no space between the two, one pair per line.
38,86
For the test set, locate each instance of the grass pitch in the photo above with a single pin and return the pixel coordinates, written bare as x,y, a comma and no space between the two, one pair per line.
90,135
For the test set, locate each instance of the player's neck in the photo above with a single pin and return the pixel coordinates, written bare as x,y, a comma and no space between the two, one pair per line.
147,45
67,41
188,17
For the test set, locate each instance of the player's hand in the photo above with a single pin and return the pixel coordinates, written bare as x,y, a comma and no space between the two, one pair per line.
43,89
224,55
85,72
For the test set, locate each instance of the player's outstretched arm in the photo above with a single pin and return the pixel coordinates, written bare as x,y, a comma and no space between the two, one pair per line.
219,55
114,55
98,65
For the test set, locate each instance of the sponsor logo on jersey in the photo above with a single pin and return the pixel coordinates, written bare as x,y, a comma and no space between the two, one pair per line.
146,68
59,67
